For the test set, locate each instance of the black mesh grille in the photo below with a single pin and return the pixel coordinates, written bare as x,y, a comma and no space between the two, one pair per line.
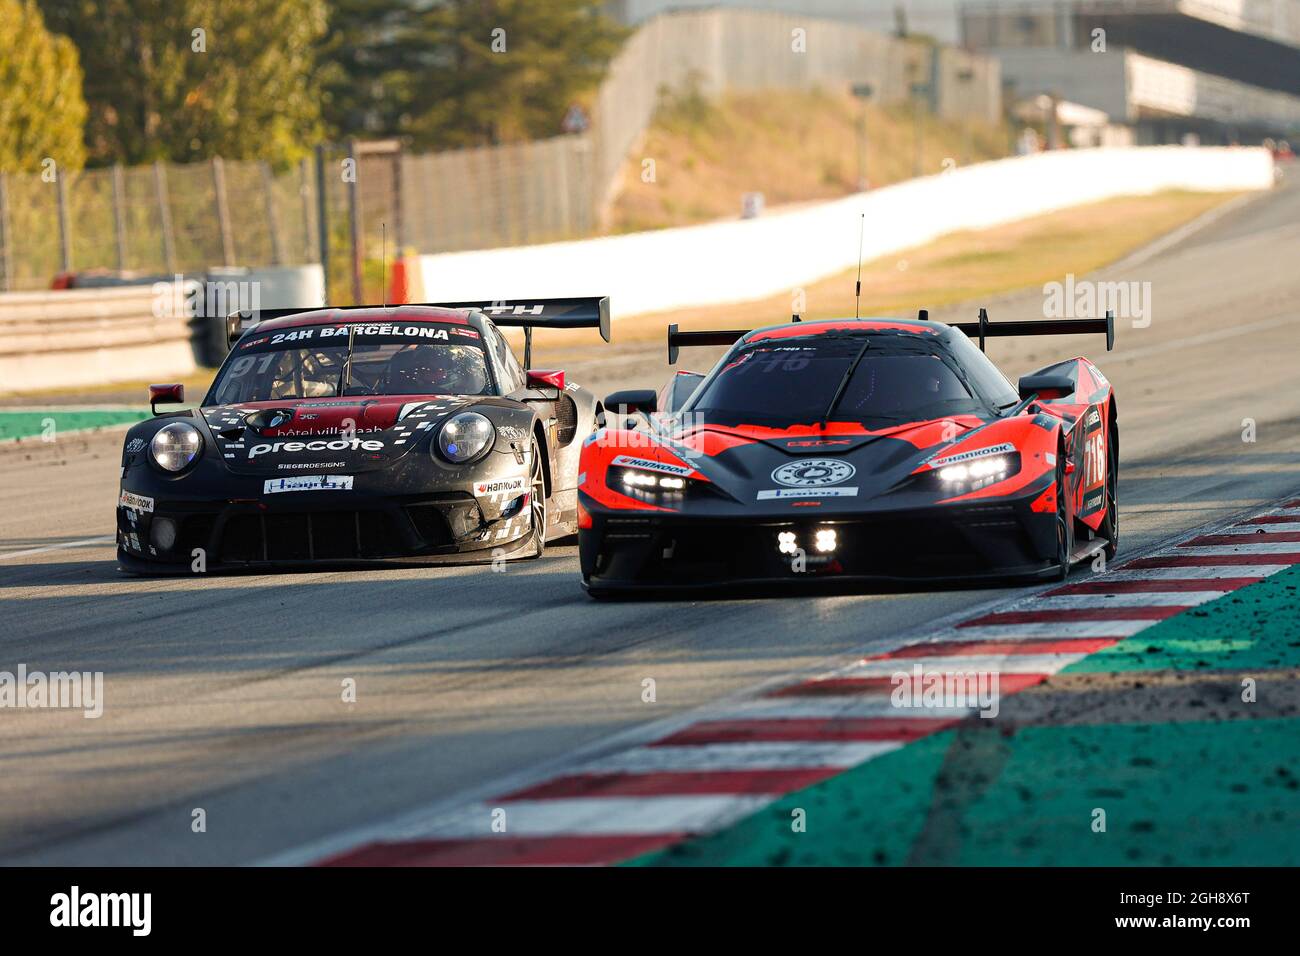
566,420
339,535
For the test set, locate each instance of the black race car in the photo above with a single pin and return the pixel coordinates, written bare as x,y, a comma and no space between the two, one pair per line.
853,449
345,435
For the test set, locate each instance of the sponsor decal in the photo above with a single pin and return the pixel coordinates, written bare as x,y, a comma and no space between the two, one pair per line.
311,464
1001,449
814,472
274,486
817,443
1093,419
134,502
510,432
499,486
409,331
340,444
648,464
134,445
1050,457
781,494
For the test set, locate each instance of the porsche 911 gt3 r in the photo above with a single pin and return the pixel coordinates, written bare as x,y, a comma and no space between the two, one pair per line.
855,448
343,435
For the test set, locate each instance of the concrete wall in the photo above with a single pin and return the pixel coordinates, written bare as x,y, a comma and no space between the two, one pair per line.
750,259
90,337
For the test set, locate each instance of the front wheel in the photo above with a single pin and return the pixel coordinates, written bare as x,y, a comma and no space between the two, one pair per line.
537,503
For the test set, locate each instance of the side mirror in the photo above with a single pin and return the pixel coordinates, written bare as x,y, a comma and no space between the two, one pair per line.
543,378
1046,387
631,400
165,394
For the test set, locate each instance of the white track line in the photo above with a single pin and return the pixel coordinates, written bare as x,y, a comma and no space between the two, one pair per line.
1120,627
1119,600
1277,528
1209,572
597,815
975,663
740,756
83,543
847,707
1213,550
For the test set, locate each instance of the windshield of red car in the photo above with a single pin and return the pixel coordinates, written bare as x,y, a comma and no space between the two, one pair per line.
796,381
387,359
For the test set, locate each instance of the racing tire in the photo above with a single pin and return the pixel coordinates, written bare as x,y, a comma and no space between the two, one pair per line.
1109,528
537,503
1064,525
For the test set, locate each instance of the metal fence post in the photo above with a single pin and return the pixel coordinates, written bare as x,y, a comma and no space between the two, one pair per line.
322,219
304,194
6,238
354,226
165,216
119,219
272,220
223,211
65,229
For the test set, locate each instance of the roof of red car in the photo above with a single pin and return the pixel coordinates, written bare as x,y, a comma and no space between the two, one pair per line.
392,313
843,325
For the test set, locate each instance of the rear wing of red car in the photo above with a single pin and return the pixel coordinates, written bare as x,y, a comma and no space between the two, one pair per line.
981,329
591,312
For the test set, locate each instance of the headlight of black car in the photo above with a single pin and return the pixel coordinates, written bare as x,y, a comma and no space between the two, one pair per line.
465,437
175,446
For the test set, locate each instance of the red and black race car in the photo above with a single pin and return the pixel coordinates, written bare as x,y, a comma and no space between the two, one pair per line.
342,435
884,449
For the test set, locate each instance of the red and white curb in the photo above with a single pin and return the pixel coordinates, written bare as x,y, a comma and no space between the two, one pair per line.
724,763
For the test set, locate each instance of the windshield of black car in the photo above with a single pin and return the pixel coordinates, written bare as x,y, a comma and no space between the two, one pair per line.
387,359
792,381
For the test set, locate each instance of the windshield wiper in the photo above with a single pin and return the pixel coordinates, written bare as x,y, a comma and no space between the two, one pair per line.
345,376
844,382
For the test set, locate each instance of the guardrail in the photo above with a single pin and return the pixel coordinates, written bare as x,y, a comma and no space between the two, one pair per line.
744,260
75,338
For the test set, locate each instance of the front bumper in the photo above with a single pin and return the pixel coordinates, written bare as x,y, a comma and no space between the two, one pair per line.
331,528
656,550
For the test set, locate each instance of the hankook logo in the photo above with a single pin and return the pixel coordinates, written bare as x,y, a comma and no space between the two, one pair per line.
813,472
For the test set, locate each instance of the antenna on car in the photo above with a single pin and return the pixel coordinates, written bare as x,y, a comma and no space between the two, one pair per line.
383,263
857,290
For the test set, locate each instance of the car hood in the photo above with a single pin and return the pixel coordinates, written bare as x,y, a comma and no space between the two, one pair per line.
353,434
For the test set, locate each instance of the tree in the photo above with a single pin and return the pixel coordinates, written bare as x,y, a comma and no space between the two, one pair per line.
188,79
505,70
41,108
368,56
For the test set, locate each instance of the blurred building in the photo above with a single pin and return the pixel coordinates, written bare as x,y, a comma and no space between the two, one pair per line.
1221,71
1161,71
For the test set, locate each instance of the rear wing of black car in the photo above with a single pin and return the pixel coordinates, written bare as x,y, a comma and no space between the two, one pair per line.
591,312
983,328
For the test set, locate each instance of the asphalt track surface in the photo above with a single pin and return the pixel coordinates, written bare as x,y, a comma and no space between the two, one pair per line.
225,694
